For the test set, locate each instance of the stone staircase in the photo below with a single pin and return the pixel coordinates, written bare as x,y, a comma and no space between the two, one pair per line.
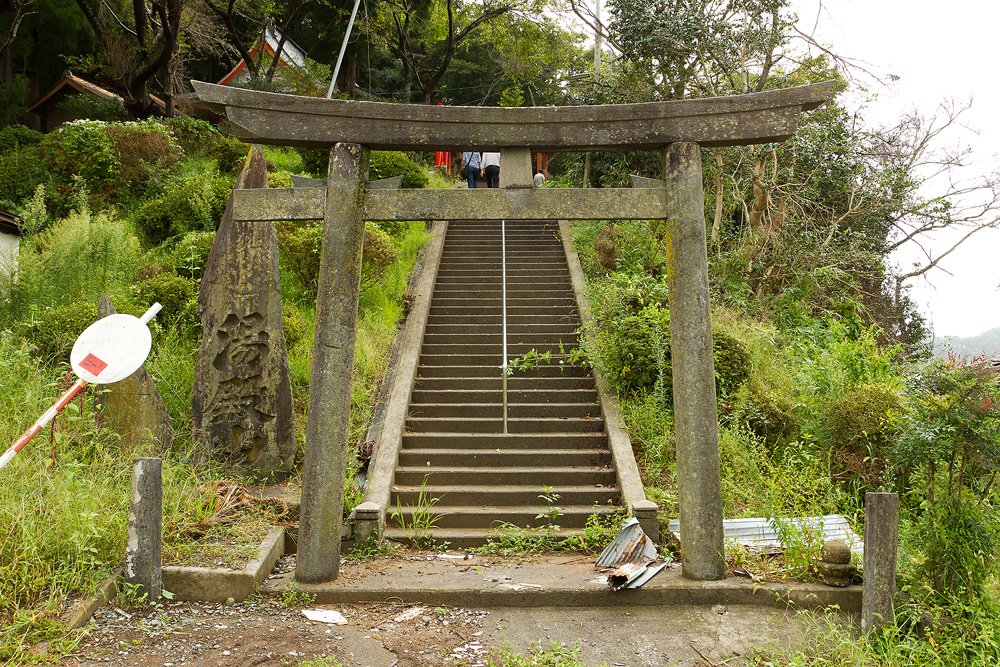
456,465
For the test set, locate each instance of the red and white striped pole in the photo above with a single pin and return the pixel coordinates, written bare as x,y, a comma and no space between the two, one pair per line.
122,357
46,417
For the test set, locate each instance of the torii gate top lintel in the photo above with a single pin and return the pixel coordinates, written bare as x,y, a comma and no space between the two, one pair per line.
293,120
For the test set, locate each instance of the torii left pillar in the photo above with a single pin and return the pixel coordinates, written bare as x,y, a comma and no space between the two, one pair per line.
325,462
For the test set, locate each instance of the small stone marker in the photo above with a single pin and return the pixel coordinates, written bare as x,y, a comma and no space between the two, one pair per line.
881,542
133,406
142,552
835,564
242,402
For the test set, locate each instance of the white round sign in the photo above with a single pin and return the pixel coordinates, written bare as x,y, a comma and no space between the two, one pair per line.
111,349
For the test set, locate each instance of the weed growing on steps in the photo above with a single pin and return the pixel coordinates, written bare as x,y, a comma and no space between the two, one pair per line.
532,359
421,519
551,512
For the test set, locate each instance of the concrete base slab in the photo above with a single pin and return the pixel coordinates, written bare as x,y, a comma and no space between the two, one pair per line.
551,580
207,584
680,636
81,614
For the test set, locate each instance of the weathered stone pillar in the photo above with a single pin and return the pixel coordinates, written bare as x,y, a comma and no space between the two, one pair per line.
881,541
133,406
242,401
696,424
145,526
325,462
515,168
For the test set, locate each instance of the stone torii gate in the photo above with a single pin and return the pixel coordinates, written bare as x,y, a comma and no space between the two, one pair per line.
351,128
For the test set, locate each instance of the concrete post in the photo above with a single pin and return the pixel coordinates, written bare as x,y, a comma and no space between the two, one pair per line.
515,168
881,541
696,423
325,461
145,526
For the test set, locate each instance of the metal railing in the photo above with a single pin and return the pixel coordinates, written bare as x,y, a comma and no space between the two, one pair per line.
503,275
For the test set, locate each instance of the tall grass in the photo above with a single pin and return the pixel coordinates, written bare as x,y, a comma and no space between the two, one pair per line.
63,508
76,259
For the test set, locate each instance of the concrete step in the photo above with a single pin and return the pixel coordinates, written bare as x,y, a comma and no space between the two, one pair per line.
464,538
505,442
514,425
521,328
486,517
495,459
524,291
513,349
490,371
504,496
514,383
504,476
514,410
532,339
458,396
479,307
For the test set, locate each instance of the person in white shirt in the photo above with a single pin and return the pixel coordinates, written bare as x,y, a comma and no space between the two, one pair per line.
491,169
539,179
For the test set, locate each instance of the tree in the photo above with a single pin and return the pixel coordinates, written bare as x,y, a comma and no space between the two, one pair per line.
138,40
246,24
699,48
428,34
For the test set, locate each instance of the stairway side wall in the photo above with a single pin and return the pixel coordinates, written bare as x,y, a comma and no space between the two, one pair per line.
369,516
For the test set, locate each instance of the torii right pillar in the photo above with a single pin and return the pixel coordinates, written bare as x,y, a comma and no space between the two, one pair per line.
696,420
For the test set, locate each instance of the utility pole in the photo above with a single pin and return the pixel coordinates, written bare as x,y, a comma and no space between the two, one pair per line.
587,160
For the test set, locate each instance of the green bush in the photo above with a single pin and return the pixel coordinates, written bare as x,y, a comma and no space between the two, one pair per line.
315,160
863,426
279,179
948,453
229,152
300,247
386,164
769,415
299,251
169,289
13,137
635,350
81,148
190,255
21,172
732,363
116,161
75,259
293,323
88,107
144,152
378,255
192,134
192,205
53,331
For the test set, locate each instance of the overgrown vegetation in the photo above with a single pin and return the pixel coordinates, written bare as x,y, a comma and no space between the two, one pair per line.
130,209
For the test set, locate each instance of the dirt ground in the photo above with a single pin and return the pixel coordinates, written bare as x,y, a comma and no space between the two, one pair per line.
273,631
266,633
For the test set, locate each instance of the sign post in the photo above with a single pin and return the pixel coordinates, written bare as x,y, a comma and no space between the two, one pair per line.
107,351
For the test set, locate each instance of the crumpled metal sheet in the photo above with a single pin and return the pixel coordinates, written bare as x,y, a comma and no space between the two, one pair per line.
631,545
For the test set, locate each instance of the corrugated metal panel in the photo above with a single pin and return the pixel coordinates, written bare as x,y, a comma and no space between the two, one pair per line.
761,531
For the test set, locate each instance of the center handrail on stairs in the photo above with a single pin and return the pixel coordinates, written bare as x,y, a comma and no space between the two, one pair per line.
503,293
